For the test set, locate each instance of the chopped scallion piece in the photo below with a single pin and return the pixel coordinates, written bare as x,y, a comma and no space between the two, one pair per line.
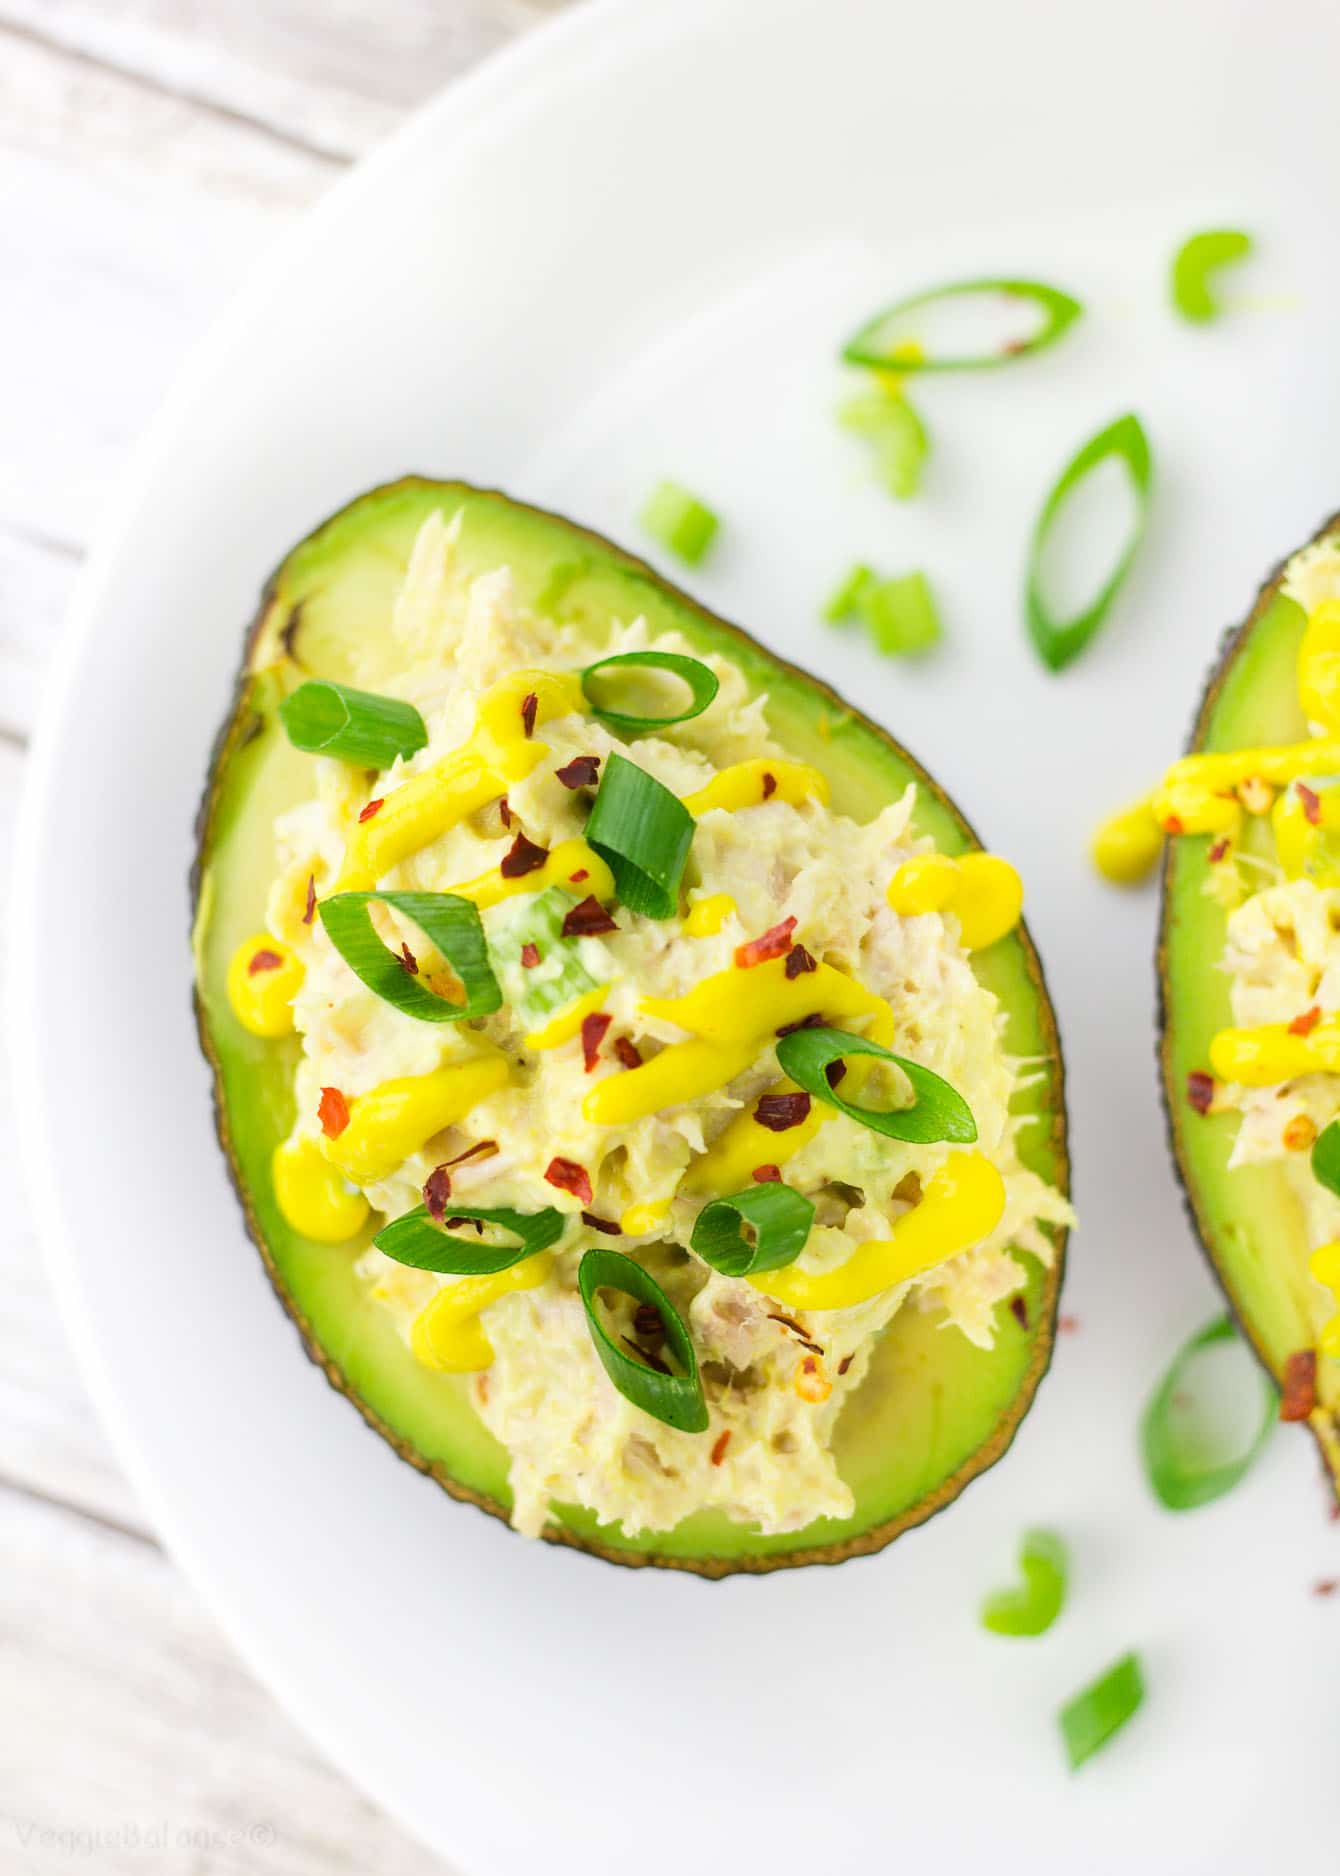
938,1112
673,1397
643,833
1058,641
1089,1720
779,1217
896,435
702,684
844,602
1326,1158
884,340
449,923
1185,1459
1031,1608
328,719
1196,261
676,518
901,614
555,972
416,1239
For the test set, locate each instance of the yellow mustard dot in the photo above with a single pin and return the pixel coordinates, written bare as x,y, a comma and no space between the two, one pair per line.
447,1335
1126,847
311,1194
399,1116
925,884
983,890
707,916
1324,1264
750,784
264,976
639,1221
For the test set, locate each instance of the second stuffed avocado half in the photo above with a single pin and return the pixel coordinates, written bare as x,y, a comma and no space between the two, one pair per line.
1249,968
723,1194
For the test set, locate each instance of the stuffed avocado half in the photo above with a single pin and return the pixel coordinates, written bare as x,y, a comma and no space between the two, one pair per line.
1249,970
551,976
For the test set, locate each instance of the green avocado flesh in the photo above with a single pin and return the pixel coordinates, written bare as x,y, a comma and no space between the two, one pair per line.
935,1410
1248,1218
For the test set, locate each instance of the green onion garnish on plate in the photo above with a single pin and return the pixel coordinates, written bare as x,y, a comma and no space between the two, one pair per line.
449,923
643,833
675,517
938,1111
844,602
702,684
886,421
417,1239
1059,641
326,719
883,342
778,1216
901,615
1101,1709
1195,263
671,1395
1031,1607
1188,1459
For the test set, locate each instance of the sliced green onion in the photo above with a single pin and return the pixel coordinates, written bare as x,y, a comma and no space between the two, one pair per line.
1184,1461
325,719
703,686
844,602
1102,1708
416,1239
938,1112
779,1217
676,518
883,340
450,923
901,615
1326,1158
675,1399
1060,640
1032,1607
566,968
643,833
896,435
1193,264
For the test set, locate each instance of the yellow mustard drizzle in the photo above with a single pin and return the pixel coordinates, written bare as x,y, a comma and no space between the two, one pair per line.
565,1025
567,858
749,784
640,1220
446,1334
1126,847
262,1000
1198,795
1300,841
395,1119
311,1194
961,1204
1272,1052
983,890
728,1164
705,917
1324,1265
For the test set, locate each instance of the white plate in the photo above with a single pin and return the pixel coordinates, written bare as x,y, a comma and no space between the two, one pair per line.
627,249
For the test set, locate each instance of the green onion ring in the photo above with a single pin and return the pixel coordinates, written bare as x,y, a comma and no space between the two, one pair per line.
1059,641
1032,1607
1326,1158
326,719
1198,257
938,1111
416,1239
781,1218
877,342
643,833
1179,1480
1101,1709
675,1399
703,686
450,923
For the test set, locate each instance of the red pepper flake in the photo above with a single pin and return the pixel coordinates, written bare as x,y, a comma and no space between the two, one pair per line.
719,1446
1173,825
1019,1310
581,772
1298,1397
1068,1325
333,1113
628,1052
647,1322
1200,1090
1326,1587
530,703
568,1176
504,811
771,945
1304,1025
530,956
482,1149
436,1192
408,959
263,961
522,857
1217,851
310,913
594,1027
845,1363
1311,801
834,1072
769,784
812,1021
575,879
799,962
766,1175
778,1112
372,808
607,1225
645,1354
587,919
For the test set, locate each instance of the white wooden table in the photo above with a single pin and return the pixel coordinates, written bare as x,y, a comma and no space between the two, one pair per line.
150,150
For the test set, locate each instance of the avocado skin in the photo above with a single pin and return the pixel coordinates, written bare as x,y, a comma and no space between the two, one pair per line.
243,724
1324,1426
